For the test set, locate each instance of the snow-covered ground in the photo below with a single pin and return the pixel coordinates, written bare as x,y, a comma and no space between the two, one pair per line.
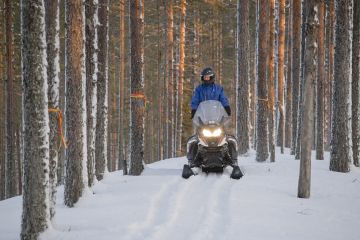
161,205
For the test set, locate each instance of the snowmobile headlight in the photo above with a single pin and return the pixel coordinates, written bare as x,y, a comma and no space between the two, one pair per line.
217,132
208,133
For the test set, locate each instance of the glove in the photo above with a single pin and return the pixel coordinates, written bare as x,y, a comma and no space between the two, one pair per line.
228,110
193,113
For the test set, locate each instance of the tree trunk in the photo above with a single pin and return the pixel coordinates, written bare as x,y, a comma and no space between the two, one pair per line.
35,216
181,78
101,141
288,116
295,61
160,124
122,155
170,75
76,168
320,85
340,156
242,76
2,107
281,75
52,40
91,14
11,177
312,24
271,79
137,86
301,86
262,148
355,83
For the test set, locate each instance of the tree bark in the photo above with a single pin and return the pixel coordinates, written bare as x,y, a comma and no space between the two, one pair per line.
11,177
355,83
320,84
181,78
52,40
137,86
91,14
169,75
76,158
242,65
262,148
295,61
281,76
288,115
340,156
312,25
36,213
101,142
271,79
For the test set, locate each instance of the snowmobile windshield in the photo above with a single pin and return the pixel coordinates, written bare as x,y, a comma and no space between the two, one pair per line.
210,112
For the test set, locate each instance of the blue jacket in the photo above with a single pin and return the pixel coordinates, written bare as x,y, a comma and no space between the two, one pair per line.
208,92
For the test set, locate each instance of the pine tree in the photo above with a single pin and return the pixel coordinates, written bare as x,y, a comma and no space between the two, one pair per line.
312,25
281,76
76,156
320,85
91,14
137,86
262,149
242,76
36,214
11,177
53,68
271,80
101,142
340,156
181,78
355,83
295,61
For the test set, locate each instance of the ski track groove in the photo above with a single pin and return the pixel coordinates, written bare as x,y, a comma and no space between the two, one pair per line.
216,215
139,230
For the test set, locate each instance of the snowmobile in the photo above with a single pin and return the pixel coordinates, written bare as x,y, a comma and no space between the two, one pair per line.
214,148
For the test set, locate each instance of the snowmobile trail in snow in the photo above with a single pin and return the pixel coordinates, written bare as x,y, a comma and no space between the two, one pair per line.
142,229
200,199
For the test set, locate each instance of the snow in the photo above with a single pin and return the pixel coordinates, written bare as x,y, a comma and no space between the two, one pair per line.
159,204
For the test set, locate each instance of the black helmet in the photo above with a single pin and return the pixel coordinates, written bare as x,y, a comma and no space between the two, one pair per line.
207,72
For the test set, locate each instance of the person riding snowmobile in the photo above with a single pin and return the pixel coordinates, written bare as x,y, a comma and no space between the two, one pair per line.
209,90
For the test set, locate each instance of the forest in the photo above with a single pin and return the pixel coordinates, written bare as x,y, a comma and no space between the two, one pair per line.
89,87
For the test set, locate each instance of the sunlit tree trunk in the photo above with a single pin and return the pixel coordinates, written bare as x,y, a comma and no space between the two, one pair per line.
76,155
181,78
169,75
281,76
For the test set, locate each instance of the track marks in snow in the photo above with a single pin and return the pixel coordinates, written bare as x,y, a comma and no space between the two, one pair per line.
216,217
197,208
200,210
155,215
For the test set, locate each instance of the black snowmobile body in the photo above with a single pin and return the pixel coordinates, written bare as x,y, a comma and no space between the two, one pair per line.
213,144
